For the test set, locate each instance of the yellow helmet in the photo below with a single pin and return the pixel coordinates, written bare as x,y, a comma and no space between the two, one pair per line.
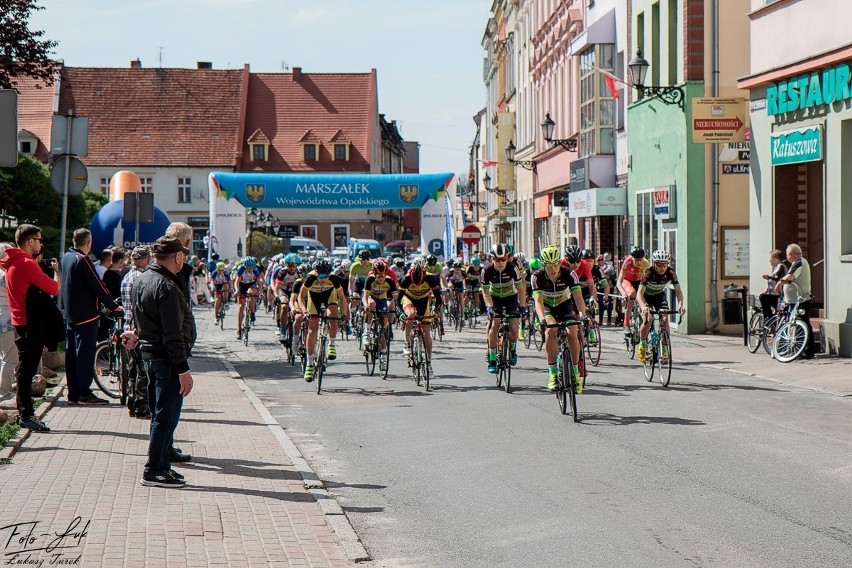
550,255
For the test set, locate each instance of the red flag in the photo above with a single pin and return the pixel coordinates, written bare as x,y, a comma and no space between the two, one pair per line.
487,163
610,85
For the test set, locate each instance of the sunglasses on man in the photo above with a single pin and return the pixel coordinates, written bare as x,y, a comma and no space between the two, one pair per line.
501,258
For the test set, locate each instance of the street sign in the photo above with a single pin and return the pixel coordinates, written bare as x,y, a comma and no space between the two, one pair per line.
8,128
471,235
145,207
716,120
736,168
79,135
76,181
735,152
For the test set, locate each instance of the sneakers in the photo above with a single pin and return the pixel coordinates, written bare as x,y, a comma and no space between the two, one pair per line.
642,353
165,479
332,352
177,456
551,381
514,358
33,424
492,366
239,334
92,400
177,475
309,374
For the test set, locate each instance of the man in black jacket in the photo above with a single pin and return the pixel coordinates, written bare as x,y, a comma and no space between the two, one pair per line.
82,295
166,332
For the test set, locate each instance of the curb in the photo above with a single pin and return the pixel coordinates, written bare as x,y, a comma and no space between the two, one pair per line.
14,444
334,513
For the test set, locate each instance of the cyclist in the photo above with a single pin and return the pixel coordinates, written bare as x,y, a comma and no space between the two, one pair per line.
416,288
358,273
628,280
472,284
553,287
220,283
296,308
398,268
248,281
574,259
283,280
651,292
434,268
321,287
379,294
455,284
503,289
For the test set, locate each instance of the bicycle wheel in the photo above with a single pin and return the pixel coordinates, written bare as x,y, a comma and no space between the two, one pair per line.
507,366
665,366
384,353
630,342
755,331
594,351
370,359
124,373
319,361
528,332
106,374
221,317
246,324
501,361
650,360
570,388
790,341
770,328
538,334
416,355
291,354
426,369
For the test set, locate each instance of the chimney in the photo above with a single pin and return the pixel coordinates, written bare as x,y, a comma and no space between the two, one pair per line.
297,73
204,64
136,64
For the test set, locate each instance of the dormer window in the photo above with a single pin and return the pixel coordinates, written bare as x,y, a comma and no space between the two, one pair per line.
27,142
258,146
310,152
340,146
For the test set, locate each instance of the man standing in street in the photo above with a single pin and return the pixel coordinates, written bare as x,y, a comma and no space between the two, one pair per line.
800,273
22,272
137,402
166,332
82,296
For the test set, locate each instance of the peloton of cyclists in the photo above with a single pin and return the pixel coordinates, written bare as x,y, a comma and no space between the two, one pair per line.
651,293
282,281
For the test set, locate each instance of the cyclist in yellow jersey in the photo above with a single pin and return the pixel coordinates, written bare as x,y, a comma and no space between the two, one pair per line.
416,289
321,288
358,273
436,269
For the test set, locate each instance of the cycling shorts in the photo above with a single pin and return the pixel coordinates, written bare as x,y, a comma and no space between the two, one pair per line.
316,299
421,306
244,289
561,312
657,302
506,305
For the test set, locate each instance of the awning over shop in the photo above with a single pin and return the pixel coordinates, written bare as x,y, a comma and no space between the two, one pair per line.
597,202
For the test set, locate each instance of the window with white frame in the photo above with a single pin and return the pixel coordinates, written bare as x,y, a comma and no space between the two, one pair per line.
646,226
184,190
597,108
104,186
147,184
341,152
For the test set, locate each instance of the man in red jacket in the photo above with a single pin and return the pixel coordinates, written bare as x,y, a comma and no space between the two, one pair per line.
22,272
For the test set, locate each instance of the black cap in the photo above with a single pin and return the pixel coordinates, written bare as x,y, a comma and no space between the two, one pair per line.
169,245
141,251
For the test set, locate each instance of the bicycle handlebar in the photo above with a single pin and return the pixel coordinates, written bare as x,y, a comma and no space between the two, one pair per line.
561,324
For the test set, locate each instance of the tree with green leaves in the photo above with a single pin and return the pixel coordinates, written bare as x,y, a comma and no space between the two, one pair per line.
23,52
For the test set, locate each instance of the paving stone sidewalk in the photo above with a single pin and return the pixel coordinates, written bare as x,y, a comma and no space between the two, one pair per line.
245,503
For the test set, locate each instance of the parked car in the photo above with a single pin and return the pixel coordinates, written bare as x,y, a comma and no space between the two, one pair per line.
396,248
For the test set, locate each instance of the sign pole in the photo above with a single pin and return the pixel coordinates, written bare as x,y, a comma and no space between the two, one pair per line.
136,228
69,119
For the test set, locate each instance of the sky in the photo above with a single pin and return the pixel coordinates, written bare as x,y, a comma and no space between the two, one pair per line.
427,53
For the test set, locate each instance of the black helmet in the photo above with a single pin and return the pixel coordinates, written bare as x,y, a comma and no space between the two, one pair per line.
589,255
215,256
364,255
417,274
573,253
637,252
322,266
431,259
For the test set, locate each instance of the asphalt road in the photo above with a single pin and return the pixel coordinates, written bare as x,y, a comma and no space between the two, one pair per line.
716,470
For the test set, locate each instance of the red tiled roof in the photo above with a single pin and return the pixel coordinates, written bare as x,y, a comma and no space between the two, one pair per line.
309,136
323,103
258,137
340,136
35,112
156,117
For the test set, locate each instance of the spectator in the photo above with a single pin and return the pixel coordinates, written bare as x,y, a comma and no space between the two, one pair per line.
183,232
50,358
22,273
8,352
137,401
82,297
800,273
104,262
112,281
769,299
166,332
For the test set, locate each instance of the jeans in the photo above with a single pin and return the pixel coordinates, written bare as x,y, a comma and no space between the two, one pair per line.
29,347
80,359
165,404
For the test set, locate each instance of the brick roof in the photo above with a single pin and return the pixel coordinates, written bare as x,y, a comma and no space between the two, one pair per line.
156,117
291,110
35,112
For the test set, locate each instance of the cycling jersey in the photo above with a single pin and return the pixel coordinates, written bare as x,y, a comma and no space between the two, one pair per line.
248,276
220,279
655,283
583,271
471,277
398,273
317,285
555,292
359,270
380,289
632,272
418,291
456,279
502,283
435,269
285,280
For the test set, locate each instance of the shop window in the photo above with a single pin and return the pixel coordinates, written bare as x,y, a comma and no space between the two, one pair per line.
597,105
846,191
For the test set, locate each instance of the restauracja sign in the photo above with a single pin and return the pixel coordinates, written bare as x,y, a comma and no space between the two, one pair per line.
805,91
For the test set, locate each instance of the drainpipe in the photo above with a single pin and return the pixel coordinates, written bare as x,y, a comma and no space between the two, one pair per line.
714,149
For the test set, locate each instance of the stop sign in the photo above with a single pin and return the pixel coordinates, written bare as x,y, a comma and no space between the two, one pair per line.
471,235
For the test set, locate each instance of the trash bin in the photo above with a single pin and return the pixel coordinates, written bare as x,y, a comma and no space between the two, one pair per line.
734,308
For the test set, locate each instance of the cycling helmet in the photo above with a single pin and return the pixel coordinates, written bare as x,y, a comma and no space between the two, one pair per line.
214,256
588,255
264,260
637,252
475,261
399,262
661,256
451,263
346,264
417,274
550,255
417,262
521,256
572,254
535,263
364,255
220,266
249,262
322,266
431,259
380,266
500,250
510,249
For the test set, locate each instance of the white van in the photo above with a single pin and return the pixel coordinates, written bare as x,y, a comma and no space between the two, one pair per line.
298,244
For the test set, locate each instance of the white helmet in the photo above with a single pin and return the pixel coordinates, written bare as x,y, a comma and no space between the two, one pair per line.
661,256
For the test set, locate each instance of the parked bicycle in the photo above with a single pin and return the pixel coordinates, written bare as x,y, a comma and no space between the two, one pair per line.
793,333
659,349
761,331
111,361
566,382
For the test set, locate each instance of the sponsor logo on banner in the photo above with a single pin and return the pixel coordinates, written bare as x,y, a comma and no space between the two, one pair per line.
408,193
255,192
